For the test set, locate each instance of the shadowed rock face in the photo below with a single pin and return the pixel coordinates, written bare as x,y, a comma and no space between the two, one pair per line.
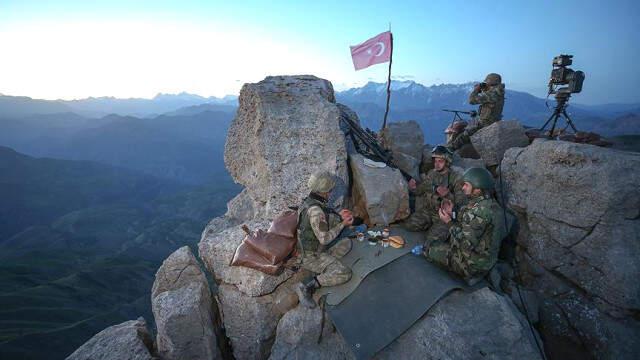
492,141
405,140
286,128
183,309
480,324
579,207
129,340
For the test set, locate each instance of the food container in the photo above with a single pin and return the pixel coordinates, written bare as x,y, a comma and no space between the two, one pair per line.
360,237
385,233
373,241
385,243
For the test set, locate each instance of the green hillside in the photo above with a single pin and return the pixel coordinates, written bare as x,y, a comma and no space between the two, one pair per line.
80,245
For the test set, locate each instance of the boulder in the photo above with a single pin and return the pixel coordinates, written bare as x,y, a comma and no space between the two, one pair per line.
216,250
184,319
299,332
466,163
476,325
481,324
492,141
183,309
286,128
380,195
405,140
427,161
250,322
130,340
579,210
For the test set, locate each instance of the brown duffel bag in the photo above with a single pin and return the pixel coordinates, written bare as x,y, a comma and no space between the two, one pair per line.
246,256
266,251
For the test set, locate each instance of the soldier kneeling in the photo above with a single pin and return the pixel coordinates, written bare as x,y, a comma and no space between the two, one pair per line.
471,249
319,229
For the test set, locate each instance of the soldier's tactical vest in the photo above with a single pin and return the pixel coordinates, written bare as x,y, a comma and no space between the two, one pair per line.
306,237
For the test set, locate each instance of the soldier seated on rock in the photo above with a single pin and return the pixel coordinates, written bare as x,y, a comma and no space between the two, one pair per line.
319,230
490,96
442,182
471,249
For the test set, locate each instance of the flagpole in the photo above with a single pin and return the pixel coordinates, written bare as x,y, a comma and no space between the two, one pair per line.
386,111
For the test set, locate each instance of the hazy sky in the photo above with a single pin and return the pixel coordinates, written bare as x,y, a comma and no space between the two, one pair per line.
76,49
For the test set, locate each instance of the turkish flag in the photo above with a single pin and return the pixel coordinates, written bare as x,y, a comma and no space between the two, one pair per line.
373,51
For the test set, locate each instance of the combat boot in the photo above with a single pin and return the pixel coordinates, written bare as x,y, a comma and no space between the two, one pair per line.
305,289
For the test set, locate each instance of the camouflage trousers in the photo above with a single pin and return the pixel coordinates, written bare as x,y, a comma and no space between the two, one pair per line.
327,266
441,253
427,219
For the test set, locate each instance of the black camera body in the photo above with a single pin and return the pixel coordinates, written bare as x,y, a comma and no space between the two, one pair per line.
561,74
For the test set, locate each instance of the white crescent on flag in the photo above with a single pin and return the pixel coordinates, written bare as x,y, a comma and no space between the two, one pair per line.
373,51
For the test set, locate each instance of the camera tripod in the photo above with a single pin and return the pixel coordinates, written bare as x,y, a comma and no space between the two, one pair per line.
561,110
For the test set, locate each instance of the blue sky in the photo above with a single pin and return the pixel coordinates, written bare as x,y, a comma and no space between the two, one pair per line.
73,49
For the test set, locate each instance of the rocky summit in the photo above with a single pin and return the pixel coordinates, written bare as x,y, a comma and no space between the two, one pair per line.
567,285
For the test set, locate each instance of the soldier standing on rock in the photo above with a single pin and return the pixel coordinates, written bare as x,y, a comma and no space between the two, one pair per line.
472,248
442,182
490,96
318,228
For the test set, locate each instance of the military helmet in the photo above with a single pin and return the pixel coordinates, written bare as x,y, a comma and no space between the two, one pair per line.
443,152
479,178
321,182
457,127
493,79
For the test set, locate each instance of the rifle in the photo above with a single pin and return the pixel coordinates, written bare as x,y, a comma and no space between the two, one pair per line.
456,114
373,149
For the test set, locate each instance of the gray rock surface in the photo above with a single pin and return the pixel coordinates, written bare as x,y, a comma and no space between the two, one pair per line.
492,141
251,322
130,340
286,128
579,210
184,320
183,309
216,249
405,140
466,163
476,325
381,195
298,334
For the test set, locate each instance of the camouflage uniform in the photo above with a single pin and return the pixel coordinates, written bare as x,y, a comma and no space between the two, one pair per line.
318,228
472,247
491,102
427,216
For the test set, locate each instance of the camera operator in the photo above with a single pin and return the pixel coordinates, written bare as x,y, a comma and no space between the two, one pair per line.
490,96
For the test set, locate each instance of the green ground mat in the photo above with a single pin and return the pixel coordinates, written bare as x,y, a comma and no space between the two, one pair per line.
364,259
388,302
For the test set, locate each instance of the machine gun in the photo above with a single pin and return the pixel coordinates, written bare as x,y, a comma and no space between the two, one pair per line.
367,144
456,114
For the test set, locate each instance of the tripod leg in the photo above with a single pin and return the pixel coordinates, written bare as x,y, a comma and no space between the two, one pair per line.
547,123
553,126
566,116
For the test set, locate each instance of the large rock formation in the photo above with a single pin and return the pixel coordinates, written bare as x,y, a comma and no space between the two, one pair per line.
481,324
579,209
492,141
286,128
183,309
405,140
130,340
380,195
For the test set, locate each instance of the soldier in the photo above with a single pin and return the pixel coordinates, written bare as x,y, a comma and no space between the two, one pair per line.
490,96
472,248
441,182
318,228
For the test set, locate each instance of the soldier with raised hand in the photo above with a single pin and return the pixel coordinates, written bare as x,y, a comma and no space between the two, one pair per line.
441,183
318,230
490,96
471,249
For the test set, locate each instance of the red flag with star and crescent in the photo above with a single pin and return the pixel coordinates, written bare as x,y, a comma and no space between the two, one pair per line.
373,51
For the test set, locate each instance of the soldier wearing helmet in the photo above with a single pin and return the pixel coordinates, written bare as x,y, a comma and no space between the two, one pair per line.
442,182
490,96
471,249
318,227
